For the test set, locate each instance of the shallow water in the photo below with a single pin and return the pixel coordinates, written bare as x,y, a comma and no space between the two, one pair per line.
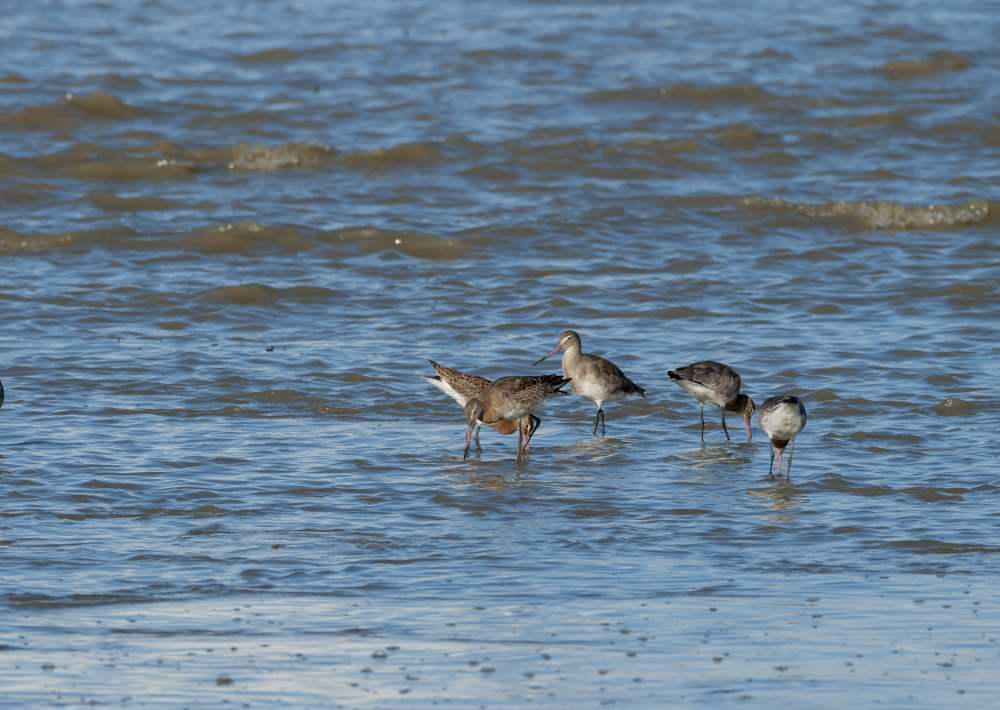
230,237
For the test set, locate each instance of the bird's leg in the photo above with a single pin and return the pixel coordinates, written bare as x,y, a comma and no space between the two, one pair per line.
702,423
597,419
478,447
601,413
522,444
791,452
780,453
724,429
468,441
770,469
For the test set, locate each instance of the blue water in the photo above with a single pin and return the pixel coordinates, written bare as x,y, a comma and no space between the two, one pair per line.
230,238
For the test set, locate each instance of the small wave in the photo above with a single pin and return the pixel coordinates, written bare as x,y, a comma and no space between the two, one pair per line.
884,436
883,214
939,547
659,150
490,172
506,55
12,242
285,395
842,485
676,313
103,105
878,119
162,160
45,601
934,63
288,397
686,266
71,111
246,238
929,494
128,169
261,295
110,202
269,56
371,239
684,92
740,135
400,156
201,511
120,81
255,157
156,161
955,407
98,484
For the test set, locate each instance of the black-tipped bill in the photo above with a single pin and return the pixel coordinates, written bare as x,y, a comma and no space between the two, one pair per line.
548,355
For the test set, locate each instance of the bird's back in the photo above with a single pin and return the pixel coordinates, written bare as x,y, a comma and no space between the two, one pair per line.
602,373
515,396
721,380
782,417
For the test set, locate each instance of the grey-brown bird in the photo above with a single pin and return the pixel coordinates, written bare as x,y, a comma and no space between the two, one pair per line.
592,377
712,382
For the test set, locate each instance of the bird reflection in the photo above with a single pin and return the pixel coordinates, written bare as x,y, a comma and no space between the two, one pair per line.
725,454
783,495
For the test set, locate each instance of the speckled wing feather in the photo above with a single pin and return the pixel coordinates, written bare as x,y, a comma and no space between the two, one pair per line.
463,386
514,397
526,387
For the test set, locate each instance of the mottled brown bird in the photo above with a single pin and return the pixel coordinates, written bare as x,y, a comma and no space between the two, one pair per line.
508,404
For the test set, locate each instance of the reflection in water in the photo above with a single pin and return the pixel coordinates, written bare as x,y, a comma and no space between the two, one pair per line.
492,481
599,448
782,494
730,454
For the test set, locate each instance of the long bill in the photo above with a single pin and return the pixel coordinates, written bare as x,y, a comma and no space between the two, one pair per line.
547,356
746,425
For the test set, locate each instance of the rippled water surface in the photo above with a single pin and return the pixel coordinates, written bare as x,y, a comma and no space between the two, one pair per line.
231,236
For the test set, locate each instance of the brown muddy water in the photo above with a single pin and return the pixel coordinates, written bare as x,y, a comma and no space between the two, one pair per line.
231,235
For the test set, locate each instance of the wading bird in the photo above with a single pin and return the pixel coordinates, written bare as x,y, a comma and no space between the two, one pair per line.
508,404
712,382
592,377
782,418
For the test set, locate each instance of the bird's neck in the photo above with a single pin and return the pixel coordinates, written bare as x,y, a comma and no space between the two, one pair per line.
572,358
738,405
